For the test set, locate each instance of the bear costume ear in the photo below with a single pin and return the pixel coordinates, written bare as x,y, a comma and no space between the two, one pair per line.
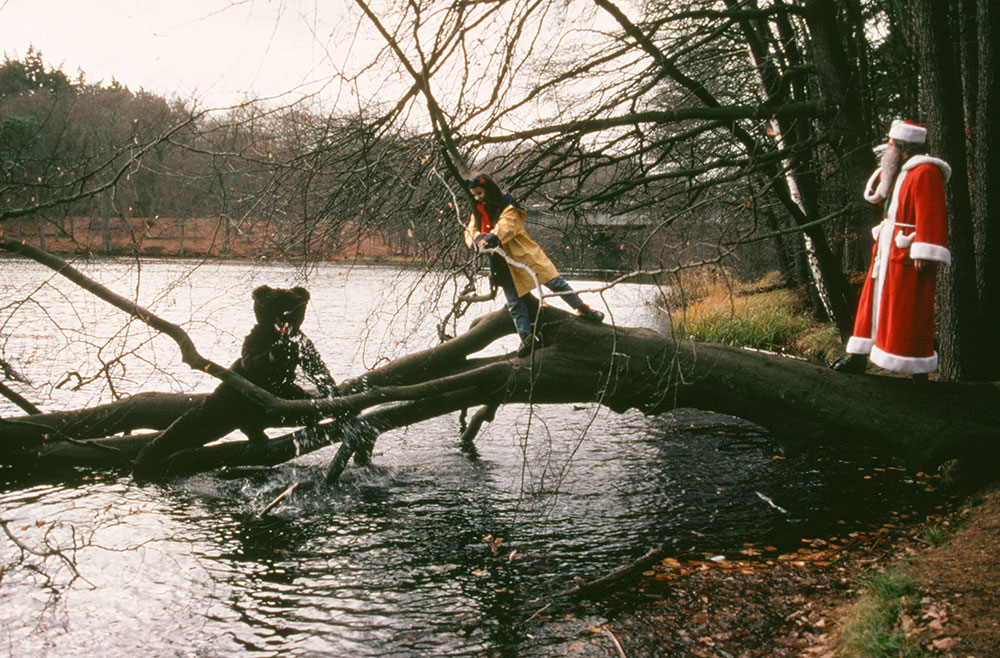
269,303
263,299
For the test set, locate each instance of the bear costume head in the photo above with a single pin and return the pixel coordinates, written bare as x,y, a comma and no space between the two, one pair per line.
280,307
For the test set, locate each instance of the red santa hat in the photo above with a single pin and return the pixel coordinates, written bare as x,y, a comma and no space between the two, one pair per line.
908,131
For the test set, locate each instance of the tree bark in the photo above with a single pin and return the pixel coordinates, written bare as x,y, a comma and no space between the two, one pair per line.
622,368
985,143
849,129
942,97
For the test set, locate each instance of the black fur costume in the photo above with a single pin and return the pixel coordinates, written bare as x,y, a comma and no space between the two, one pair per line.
271,354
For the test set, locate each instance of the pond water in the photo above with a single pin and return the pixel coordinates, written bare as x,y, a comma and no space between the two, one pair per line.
426,552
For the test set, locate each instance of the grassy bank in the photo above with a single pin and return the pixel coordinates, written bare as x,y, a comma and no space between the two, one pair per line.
932,591
710,306
876,623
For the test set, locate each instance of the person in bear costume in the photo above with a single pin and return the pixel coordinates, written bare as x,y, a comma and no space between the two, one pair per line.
272,352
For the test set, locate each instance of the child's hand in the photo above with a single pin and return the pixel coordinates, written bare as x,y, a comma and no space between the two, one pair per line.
486,241
925,267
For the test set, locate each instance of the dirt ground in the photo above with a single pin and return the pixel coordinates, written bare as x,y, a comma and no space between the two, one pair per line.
774,605
963,576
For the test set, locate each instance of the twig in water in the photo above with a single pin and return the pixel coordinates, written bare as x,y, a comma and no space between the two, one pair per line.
284,494
614,640
652,556
537,612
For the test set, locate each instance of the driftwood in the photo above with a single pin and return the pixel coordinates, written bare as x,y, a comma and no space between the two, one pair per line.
610,581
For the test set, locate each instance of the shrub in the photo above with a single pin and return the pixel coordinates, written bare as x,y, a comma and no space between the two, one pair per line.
873,625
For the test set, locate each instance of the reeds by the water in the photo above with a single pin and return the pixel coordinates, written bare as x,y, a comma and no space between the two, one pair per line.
761,315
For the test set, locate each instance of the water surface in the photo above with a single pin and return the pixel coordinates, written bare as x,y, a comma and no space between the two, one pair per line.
427,552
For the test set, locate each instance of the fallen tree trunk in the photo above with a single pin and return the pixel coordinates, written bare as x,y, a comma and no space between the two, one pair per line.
800,403
622,368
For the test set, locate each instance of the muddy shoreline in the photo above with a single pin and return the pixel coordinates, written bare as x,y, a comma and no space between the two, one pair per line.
772,604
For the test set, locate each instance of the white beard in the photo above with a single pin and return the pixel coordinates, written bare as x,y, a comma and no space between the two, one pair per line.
890,163
889,166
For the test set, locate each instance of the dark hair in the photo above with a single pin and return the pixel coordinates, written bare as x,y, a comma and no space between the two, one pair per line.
494,194
911,148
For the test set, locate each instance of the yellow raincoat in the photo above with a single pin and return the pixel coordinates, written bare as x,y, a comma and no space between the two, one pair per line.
514,239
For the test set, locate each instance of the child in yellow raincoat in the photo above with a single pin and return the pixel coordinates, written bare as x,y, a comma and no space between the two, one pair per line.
498,221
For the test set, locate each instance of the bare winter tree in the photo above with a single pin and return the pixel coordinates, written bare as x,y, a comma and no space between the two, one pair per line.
708,128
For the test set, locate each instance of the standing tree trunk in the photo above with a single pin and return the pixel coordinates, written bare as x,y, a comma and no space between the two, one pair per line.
800,189
850,128
985,138
962,337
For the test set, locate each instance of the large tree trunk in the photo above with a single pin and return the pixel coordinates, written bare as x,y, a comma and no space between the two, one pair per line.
958,100
985,144
621,368
840,76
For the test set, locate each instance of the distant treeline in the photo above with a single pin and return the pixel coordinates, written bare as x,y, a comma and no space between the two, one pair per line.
103,169
197,236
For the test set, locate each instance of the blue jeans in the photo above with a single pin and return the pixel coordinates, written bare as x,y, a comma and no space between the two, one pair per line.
518,308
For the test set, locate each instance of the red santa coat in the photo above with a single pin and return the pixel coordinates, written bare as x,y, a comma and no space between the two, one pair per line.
895,320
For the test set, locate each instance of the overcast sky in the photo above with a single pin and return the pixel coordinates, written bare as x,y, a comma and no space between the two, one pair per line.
220,51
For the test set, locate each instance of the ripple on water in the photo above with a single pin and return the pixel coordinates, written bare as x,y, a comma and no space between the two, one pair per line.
425,553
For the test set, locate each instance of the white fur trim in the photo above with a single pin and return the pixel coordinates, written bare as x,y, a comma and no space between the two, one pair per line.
859,345
875,231
908,132
903,240
909,365
927,159
875,190
930,251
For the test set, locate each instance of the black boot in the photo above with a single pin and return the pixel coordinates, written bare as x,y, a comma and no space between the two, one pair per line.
591,315
853,364
529,342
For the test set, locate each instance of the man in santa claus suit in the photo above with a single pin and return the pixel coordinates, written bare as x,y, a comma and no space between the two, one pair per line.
894,326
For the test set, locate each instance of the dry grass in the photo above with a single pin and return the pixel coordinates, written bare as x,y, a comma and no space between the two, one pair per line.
709,305
873,626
